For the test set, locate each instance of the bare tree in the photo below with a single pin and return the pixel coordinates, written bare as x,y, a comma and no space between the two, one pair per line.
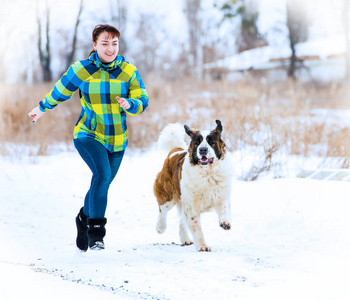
148,43
119,19
71,54
5,31
297,24
44,43
194,22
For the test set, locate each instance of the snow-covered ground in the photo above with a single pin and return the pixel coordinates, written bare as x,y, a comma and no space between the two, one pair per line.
290,238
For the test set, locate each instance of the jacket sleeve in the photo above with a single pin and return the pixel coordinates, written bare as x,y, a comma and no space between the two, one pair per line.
65,87
137,96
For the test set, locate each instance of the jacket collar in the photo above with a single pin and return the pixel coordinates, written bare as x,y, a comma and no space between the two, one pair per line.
113,65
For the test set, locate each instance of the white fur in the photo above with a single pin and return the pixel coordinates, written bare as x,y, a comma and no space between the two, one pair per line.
172,136
177,153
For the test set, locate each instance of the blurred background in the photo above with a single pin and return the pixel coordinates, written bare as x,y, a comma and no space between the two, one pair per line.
276,73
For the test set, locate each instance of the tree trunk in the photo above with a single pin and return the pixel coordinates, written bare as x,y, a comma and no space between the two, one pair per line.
44,54
119,20
192,9
292,62
70,55
297,24
346,25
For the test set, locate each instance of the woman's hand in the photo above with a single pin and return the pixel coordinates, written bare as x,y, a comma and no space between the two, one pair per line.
123,102
35,114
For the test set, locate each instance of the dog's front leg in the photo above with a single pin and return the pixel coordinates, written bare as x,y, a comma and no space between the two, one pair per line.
224,211
194,224
184,238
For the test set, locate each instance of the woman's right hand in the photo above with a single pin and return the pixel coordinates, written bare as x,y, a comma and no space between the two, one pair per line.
36,113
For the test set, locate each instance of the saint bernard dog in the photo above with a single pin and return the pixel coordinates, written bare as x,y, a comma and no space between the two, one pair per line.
197,178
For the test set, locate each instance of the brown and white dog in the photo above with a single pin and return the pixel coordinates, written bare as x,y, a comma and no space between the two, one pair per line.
197,180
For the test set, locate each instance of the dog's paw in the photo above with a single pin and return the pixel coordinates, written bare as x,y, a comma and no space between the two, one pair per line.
187,243
204,249
225,225
160,228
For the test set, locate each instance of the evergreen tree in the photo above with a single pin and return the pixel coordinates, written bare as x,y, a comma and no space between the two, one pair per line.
249,36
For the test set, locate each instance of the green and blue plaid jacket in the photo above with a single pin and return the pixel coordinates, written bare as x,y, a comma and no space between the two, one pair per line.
101,116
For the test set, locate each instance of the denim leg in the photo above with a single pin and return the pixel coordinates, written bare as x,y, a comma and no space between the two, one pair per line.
86,207
115,160
96,157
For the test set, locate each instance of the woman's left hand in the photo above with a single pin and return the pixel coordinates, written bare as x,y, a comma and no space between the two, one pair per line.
123,102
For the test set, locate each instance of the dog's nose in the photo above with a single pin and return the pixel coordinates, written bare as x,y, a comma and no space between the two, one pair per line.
203,150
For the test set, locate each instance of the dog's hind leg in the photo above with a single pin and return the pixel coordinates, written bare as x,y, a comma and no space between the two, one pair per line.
163,212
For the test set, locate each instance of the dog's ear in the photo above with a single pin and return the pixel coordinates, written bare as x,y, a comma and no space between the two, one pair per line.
218,126
188,131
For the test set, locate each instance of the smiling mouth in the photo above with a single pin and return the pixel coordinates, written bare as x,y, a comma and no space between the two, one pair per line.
206,161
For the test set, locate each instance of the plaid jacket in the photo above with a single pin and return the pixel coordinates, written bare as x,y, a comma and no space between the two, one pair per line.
101,116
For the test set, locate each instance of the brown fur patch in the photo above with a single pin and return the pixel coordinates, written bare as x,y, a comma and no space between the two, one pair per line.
167,184
220,144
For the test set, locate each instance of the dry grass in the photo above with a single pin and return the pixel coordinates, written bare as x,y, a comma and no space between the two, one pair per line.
270,116
16,127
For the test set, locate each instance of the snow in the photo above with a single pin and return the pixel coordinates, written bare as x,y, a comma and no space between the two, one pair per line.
19,281
290,237
269,56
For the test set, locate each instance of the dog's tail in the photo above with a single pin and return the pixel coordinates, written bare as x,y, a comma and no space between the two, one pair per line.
172,136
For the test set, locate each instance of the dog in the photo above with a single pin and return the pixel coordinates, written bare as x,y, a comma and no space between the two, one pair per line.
196,178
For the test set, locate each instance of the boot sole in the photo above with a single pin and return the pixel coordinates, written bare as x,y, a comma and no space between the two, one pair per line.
98,246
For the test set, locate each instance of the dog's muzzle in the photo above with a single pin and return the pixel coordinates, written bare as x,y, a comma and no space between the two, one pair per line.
204,160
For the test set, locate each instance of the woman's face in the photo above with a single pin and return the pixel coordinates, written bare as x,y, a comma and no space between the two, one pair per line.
107,48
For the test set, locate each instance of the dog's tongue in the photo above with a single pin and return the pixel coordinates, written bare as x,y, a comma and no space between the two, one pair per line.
206,161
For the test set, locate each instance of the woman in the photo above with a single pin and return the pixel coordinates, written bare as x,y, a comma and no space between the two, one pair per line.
109,89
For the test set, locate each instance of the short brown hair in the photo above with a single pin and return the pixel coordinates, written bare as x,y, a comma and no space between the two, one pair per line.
111,30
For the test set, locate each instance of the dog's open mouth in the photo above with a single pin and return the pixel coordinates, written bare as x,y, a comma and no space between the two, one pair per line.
206,161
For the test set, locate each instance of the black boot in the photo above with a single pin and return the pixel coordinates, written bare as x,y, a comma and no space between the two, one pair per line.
82,238
96,232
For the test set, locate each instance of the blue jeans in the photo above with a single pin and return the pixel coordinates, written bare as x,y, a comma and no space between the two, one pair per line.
104,165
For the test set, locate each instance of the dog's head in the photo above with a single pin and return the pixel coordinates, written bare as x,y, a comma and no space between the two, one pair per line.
206,146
